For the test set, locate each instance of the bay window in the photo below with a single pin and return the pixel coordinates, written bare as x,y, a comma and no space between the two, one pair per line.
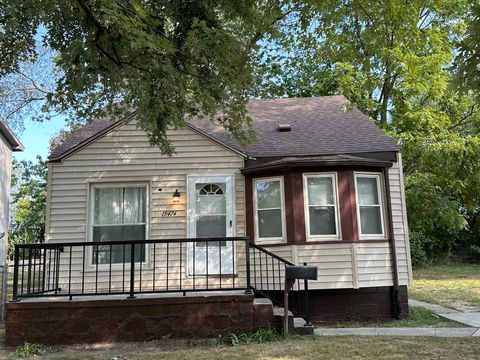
370,210
321,208
269,210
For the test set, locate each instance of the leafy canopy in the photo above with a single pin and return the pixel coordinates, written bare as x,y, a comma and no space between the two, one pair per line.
395,60
468,57
162,59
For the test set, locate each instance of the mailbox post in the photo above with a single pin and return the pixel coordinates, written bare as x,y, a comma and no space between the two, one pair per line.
293,273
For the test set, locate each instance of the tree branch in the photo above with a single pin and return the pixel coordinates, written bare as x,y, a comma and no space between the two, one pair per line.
463,121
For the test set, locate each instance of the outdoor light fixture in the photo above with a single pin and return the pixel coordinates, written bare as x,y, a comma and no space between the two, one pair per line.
176,196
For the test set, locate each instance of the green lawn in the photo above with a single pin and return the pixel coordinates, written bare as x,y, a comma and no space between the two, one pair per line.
350,347
454,286
418,317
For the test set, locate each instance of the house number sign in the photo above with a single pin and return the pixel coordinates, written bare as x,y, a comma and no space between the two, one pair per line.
169,213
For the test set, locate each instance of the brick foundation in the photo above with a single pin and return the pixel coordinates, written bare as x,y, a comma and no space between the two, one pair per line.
365,304
82,321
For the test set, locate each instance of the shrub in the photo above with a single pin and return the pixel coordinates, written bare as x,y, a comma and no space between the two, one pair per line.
28,349
419,246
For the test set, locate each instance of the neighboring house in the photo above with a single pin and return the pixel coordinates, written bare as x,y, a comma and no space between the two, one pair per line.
322,185
8,144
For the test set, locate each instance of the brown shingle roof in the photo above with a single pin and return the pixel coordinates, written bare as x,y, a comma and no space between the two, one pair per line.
319,126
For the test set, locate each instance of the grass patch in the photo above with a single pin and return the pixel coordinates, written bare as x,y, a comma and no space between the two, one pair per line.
328,348
418,317
259,337
448,271
456,286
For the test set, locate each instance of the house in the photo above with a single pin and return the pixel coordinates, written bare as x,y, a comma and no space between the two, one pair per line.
322,186
8,144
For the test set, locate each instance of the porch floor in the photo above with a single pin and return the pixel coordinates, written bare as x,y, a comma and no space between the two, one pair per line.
179,294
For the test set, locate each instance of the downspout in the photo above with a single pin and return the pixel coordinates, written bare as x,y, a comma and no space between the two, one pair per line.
397,308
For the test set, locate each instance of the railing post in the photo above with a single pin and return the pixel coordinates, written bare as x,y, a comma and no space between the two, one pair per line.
247,266
16,264
132,271
57,270
307,302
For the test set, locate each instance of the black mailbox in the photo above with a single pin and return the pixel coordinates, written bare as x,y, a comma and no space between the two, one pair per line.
293,272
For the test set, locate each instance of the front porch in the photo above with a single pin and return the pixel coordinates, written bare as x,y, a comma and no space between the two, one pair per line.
136,290
113,318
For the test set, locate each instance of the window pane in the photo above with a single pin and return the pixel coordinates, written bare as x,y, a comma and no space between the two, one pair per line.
367,191
320,191
322,220
370,220
119,205
268,194
211,204
211,226
134,205
269,223
108,206
118,233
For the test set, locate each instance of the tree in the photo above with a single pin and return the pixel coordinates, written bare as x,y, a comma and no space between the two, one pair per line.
381,55
23,94
160,59
468,58
29,195
393,59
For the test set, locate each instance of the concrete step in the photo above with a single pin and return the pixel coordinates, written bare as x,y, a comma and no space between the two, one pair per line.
295,324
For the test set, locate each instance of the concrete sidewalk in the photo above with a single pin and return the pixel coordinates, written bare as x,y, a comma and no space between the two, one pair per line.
437,332
467,318
470,319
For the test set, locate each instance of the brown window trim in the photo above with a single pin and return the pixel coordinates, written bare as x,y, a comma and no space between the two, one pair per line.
331,242
295,209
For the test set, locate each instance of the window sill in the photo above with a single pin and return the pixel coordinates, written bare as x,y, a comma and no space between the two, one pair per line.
271,242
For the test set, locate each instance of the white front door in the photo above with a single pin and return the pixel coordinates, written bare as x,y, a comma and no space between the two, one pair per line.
211,215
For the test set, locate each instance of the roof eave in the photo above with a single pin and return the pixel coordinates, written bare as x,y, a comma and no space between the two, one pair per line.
86,142
10,137
315,163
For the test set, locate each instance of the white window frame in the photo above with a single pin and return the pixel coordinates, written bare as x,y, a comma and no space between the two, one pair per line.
91,207
269,240
333,176
380,194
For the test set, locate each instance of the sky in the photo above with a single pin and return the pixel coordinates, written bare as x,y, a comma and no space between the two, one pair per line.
36,137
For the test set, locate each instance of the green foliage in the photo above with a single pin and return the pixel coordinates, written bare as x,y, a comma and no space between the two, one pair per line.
28,349
418,243
163,60
259,337
393,60
29,195
468,59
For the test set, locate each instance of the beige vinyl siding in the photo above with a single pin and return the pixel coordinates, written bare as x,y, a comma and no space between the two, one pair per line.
125,156
400,223
5,175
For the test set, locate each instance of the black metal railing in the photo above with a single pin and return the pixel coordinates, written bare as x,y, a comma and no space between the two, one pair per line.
151,266
130,267
267,273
